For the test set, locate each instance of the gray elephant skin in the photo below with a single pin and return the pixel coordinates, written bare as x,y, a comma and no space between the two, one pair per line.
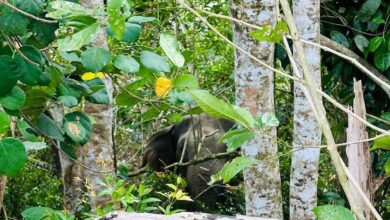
197,136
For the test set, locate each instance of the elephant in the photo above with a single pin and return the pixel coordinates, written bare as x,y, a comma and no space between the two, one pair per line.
196,136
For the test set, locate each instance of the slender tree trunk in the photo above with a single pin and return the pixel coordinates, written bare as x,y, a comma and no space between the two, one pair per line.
98,153
307,132
359,159
255,90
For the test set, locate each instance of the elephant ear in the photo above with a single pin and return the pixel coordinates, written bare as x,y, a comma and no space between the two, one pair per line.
160,149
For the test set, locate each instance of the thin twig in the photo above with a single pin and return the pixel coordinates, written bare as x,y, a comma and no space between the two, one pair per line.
4,2
378,119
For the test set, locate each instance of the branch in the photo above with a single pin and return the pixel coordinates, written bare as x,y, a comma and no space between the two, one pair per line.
4,2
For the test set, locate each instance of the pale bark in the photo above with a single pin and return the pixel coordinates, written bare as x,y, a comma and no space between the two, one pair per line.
307,132
98,153
255,91
359,159
3,183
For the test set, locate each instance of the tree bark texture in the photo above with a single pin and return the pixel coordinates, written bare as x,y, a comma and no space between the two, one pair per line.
307,132
255,91
359,159
98,153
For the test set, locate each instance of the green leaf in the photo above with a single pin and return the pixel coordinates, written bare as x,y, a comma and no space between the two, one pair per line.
386,116
13,23
64,9
69,149
34,145
75,131
12,156
231,169
236,138
375,43
154,62
100,96
116,20
68,101
95,59
71,57
34,7
269,120
48,127
361,42
79,39
126,63
171,48
24,129
38,213
220,109
5,122
368,9
132,32
186,81
333,212
9,74
14,100
382,59
29,70
381,143
178,98
339,38
387,167
141,19
82,119
267,33
44,32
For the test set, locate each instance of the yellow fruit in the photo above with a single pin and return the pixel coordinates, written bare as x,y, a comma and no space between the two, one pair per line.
90,75
163,86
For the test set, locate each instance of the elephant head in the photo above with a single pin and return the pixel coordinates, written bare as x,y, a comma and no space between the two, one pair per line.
194,137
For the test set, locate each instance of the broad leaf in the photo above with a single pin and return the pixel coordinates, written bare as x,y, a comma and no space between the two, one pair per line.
79,39
368,9
14,100
220,109
132,32
13,23
67,9
116,19
382,59
9,75
361,42
100,96
231,169
171,48
186,81
82,119
387,167
95,59
12,156
68,101
38,213
269,119
381,143
126,63
34,7
141,19
5,122
75,131
375,43
25,129
154,62
236,138
333,212
339,38
48,127
29,70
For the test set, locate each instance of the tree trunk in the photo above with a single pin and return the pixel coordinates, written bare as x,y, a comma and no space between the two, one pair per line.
255,91
98,153
307,132
359,159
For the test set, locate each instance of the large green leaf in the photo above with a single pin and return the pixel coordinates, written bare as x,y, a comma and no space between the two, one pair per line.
382,59
126,63
171,48
361,42
44,32
231,169
29,70
69,149
267,33
75,131
5,122
333,212
339,38
79,39
154,62
14,100
9,74
100,96
368,9
68,101
220,109
34,7
12,156
81,119
269,119
25,129
186,81
382,143
235,138
39,213
13,23
375,43
387,167
132,32
49,127
65,9
116,19
94,59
